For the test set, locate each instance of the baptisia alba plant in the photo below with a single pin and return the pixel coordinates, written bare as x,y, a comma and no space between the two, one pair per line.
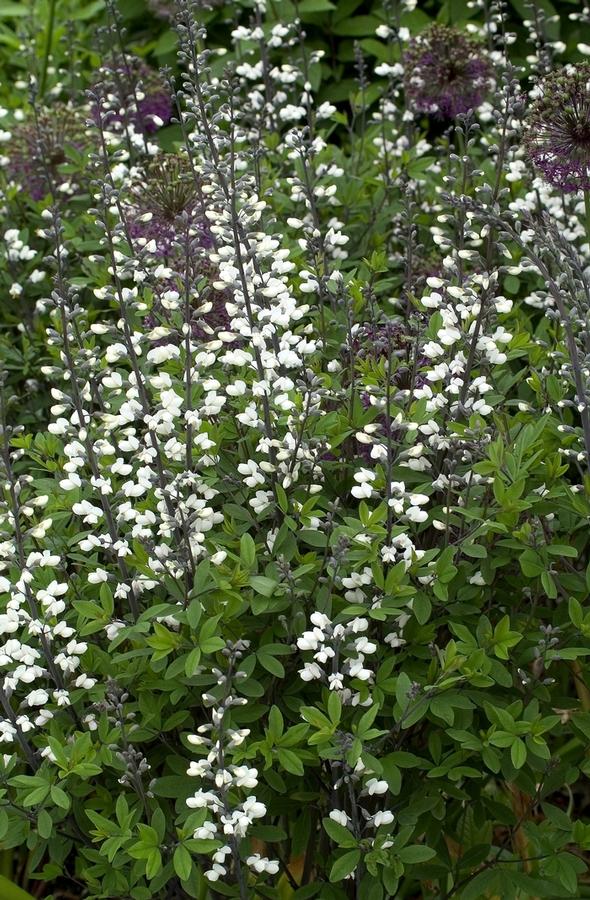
293,581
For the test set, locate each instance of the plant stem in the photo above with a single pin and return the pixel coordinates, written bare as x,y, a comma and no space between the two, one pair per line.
48,46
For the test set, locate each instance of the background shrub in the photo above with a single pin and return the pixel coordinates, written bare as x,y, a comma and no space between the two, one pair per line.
295,451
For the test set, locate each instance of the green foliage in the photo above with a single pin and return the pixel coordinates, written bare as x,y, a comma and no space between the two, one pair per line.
476,717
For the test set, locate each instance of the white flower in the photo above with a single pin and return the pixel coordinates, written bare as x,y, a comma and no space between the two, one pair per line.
261,501
449,335
310,672
338,815
363,489
91,514
415,514
374,786
384,817
37,697
201,799
262,864
161,354
98,576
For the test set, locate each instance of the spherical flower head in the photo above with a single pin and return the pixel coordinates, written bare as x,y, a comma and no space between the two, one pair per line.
39,149
446,73
166,192
163,204
557,136
135,94
375,341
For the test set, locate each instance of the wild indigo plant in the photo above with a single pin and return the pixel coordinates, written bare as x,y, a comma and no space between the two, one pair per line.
293,581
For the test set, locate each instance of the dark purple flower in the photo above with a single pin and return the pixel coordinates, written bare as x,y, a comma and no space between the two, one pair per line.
165,210
445,73
164,203
375,342
134,94
38,150
557,136
372,344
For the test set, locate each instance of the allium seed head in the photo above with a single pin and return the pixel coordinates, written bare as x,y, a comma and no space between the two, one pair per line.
166,191
557,136
38,149
135,94
446,73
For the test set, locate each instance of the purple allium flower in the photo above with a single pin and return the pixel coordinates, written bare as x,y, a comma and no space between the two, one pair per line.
37,150
374,342
446,73
135,94
557,136
165,192
163,203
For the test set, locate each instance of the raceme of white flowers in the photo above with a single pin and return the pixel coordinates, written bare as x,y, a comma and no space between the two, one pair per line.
221,340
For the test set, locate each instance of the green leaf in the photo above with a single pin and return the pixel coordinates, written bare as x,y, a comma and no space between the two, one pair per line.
339,833
153,864
271,833
10,10
315,6
247,551
334,708
290,761
518,753
482,885
357,26
402,689
271,664
194,612
182,862
562,550
4,822
44,824
344,865
275,723
11,891
313,538
531,563
60,798
263,585
192,662
416,853
37,795
575,612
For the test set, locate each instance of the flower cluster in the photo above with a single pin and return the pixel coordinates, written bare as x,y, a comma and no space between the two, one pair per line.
282,567
557,137
231,818
40,149
346,655
446,73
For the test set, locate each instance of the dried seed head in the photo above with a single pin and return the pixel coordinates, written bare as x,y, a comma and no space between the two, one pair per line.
446,73
557,136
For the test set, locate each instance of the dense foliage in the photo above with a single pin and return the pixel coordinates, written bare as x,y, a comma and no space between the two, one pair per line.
295,450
